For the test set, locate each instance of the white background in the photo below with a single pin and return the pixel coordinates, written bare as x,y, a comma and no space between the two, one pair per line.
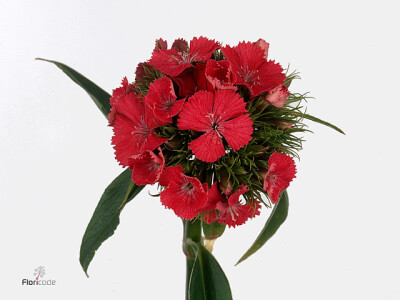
341,239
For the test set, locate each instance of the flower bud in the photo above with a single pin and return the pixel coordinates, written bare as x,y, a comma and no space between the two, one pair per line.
211,233
173,144
281,124
239,170
225,183
277,96
259,150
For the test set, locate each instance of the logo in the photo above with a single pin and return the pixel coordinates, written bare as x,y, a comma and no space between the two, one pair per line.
39,272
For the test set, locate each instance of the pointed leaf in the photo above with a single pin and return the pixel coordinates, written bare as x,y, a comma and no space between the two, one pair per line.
105,218
207,280
100,97
275,220
316,120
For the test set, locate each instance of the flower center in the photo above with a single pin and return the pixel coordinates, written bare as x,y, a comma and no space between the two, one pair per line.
249,75
141,131
188,187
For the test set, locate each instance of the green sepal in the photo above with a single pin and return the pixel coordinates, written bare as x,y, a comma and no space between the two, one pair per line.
207,279
213,231
105,219
100,97
275,220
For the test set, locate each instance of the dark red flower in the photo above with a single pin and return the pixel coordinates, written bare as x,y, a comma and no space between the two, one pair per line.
277,96
281,171
146,167
220,75
193,80
219,114
186,83
185,195
173,61
133,129
160,44
229,211
161,99
252,69
181,45
118,93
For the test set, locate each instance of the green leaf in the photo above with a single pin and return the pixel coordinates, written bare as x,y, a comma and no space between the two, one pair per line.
275,220
100,97
105,218
207,280
315,119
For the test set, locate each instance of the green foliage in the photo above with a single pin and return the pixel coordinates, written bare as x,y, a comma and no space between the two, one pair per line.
105,218
100,97
275,220
207,280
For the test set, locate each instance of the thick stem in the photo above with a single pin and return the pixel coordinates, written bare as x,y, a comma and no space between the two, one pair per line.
191,230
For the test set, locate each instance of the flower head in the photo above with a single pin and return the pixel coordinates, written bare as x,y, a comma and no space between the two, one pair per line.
146,167
133,128
252,69
219,114
177,59
161,99
281,171
185,195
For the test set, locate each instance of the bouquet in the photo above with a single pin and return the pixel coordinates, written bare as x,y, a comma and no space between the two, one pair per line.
216,128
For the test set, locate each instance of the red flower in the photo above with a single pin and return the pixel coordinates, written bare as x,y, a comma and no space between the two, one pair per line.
161,99
174,61
252,69
277,96
185,195
146,167
220,75
160,44
264,46
229,211
219,114
281,171
133,129
118,93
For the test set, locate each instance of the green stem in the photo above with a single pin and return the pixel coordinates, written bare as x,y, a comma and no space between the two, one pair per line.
191,230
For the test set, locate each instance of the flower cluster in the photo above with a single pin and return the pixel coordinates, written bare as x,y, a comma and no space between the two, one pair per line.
212,125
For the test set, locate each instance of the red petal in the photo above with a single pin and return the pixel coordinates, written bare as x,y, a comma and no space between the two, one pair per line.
202,48
227,105
220,75
169,174
208,147
194,114
146,167
186,83
237,131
